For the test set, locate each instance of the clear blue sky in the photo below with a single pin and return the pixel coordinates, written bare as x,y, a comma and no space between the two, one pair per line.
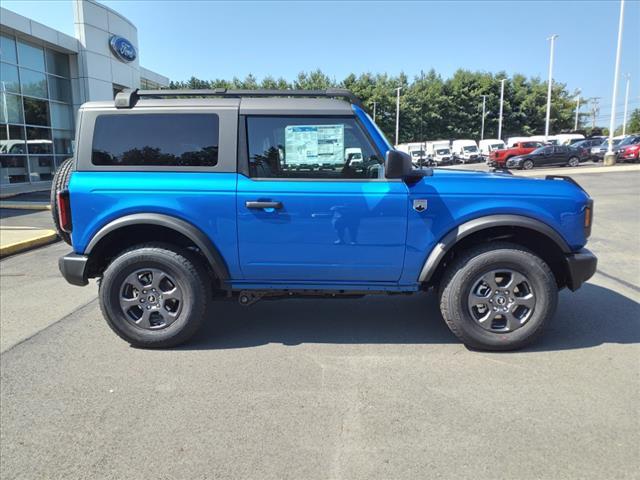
225,39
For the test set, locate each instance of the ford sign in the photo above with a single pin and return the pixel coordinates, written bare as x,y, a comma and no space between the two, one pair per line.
122,48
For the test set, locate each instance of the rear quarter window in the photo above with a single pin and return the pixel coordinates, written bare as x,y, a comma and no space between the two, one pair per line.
164,140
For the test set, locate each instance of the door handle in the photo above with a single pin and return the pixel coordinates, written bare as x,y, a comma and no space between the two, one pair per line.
258,204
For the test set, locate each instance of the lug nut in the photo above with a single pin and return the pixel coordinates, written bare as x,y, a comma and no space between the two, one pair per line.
142,300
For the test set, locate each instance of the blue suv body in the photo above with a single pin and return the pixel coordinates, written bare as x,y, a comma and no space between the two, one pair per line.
175,201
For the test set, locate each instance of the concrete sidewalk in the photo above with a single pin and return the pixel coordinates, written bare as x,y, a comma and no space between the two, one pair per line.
27,201
22,230
15,239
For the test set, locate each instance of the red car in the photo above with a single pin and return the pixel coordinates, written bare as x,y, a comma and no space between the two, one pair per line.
629,149
498,158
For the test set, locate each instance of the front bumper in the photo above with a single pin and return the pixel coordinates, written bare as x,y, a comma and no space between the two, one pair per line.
74,268
581,266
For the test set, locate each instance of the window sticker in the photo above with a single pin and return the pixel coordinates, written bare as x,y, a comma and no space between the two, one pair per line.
314,144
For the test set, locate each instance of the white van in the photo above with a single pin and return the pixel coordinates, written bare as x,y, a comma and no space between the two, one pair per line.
489,145
569,138
511,141
417,150
465,151
551,139
439,152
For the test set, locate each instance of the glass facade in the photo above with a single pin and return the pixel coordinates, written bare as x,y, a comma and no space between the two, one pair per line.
36,114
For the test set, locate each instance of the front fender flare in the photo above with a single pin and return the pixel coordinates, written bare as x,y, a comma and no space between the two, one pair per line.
482,223
200,239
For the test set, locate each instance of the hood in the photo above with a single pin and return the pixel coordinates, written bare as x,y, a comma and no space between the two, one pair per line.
470,182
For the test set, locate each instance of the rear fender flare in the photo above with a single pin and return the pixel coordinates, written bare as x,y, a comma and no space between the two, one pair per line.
199,238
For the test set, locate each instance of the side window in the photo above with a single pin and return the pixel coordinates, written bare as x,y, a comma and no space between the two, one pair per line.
310,147
158,139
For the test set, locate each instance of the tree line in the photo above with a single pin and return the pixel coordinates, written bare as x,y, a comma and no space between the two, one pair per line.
432,107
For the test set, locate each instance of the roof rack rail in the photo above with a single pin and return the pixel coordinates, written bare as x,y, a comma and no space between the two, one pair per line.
128,98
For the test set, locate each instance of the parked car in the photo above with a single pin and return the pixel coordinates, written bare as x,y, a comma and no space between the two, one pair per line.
171,202
465,151
499,158
584,146
598,152
546,156
627,150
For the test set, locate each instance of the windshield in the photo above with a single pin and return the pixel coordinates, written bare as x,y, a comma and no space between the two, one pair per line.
417,153
627,141
496,146
539,150
470,149
442,151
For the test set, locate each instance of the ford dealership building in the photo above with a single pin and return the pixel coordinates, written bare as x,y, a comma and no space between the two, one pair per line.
46,75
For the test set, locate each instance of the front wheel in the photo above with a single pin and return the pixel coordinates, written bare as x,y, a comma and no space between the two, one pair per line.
155,295
573,162
527,164
498,297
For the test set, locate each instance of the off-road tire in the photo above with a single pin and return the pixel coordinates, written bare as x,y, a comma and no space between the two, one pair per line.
458,281
60,182
187,270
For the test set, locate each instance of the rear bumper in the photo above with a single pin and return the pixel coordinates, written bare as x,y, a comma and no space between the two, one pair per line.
74,268
581,266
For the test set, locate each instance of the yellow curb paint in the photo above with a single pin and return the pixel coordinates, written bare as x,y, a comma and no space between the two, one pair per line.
47,236
24,206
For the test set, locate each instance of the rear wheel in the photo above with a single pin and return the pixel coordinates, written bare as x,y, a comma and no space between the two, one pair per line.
498,297
527,164
573,162
60,182
155,296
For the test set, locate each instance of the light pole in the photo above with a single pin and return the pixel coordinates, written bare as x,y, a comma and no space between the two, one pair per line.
626,105
374,111
550,84
484,107
610,157
501,105
398,114
575,127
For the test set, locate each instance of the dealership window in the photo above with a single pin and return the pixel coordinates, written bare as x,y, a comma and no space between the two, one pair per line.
310,147
171,140
36,116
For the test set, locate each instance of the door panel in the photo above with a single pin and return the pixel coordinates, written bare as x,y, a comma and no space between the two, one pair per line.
321,231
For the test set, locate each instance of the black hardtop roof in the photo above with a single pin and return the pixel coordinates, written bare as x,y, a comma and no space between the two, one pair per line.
129,98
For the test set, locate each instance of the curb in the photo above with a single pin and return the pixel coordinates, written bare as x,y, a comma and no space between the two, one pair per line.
43,239
25,205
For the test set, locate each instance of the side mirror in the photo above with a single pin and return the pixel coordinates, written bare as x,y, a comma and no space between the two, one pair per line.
397,164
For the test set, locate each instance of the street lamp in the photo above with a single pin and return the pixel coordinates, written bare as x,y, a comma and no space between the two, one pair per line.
398,114
501,104
610,157
550,83
484,109
575,127
626,105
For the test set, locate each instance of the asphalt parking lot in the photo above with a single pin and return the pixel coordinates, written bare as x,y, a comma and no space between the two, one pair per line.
375,388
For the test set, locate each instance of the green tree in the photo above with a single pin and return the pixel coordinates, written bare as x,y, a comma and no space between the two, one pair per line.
434,108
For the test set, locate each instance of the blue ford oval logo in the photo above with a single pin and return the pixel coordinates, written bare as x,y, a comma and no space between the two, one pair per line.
122,48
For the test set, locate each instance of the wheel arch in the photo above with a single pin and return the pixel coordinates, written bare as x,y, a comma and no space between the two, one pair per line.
113,236
530,232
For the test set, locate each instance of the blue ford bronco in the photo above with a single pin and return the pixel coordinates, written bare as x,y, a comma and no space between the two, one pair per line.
175,199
